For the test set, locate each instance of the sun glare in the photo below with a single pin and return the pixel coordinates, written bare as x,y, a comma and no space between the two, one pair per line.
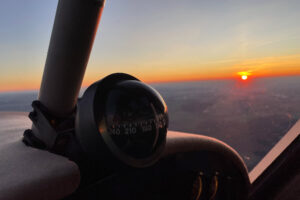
244,77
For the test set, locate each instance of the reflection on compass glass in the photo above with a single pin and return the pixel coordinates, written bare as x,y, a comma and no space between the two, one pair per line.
136,118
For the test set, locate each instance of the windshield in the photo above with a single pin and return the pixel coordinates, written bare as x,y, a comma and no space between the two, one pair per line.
226,69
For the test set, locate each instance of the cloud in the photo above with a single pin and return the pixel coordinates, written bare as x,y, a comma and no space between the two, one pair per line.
270,66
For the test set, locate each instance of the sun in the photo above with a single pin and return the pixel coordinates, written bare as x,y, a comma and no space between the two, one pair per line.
244,77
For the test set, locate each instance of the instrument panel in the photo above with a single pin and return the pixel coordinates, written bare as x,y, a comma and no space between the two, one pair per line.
190,175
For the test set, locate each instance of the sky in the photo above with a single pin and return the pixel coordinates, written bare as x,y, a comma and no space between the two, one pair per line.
159,41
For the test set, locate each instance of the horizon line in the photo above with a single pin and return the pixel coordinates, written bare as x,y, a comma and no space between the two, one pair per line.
34,89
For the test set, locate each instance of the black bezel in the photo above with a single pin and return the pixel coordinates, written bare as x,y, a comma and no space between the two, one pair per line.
101,145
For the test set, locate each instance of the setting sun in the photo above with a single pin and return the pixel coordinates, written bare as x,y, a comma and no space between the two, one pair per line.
244,77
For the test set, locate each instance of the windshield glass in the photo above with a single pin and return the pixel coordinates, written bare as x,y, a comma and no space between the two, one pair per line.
251,117
226,69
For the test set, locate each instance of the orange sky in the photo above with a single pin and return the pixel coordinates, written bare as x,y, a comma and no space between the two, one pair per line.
227,69
262,67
